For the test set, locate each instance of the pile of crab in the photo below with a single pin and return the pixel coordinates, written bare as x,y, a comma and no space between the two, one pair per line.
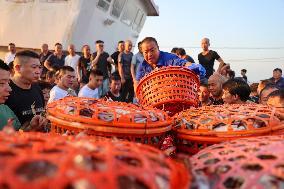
108,119
37,160
200,127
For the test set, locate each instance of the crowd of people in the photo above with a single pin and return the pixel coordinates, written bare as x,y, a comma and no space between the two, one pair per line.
29,81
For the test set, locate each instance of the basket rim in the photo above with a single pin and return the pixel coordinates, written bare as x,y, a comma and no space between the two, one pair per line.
164,69
165,122
110,129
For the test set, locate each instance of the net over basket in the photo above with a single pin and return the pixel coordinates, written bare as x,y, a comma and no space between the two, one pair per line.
108,119
36,160
172,89
248,163
198,128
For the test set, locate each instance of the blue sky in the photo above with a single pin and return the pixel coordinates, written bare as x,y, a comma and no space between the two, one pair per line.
246,33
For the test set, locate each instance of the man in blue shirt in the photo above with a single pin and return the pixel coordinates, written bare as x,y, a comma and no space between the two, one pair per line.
277,78
154,58
137,59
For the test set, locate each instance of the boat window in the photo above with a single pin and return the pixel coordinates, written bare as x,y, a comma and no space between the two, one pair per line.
117,8
104,4
137,20
129,13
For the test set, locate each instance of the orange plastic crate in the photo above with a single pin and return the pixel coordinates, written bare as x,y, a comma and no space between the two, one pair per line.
108,119
198,128
248,163
172,89
36,160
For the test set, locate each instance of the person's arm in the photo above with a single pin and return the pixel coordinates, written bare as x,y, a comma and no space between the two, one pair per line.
110,63
79,74
109,59
135,82
120,69
132,68
96,59
224,70
112,56
47,64
221,64
219,59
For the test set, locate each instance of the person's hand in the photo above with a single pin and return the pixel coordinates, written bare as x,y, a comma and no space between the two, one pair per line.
224,70
187,64
37,123
10,122
9,129
99,52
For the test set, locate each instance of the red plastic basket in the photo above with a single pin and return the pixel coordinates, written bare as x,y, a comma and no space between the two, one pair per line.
251,163
172,89
108,119
198,128
36,160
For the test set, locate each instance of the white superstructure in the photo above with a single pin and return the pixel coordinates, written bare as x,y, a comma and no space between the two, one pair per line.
29,23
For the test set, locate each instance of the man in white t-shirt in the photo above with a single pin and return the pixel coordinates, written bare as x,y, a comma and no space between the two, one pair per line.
10,56
91,88
66,78
72,59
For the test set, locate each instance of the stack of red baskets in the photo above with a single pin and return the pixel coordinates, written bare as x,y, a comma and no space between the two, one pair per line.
172,89
198,128
248,163
108,119
35,160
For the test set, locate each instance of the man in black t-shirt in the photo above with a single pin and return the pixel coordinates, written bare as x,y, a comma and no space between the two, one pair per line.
45,53
207,58
124,68
56,60
84,65
114,56
26,99
102,61
115,86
